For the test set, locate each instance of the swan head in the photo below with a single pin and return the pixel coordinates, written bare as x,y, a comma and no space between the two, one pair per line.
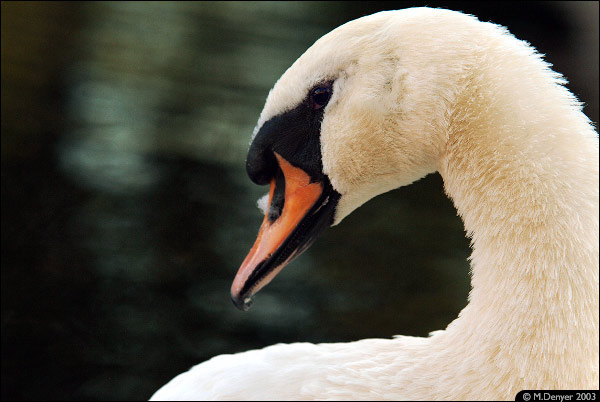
361,112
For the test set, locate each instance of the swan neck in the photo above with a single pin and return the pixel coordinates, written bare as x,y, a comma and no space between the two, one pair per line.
521,166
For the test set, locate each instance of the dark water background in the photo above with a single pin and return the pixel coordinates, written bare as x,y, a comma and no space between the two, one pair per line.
126,210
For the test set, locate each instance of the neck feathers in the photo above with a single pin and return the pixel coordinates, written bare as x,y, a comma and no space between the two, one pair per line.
521,165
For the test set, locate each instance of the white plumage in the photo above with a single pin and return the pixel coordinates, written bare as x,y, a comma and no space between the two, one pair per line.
423,90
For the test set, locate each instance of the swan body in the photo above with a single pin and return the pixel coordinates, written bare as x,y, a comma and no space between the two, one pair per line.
412,92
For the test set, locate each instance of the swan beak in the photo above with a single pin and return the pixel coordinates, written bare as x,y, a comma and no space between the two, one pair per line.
285,232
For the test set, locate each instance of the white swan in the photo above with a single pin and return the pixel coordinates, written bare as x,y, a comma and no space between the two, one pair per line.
376,104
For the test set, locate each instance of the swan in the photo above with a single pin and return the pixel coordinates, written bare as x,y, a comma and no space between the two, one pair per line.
376,104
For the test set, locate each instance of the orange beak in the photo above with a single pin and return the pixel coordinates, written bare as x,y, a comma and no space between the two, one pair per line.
282,236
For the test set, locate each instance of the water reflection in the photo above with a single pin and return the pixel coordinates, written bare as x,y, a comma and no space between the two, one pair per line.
126,209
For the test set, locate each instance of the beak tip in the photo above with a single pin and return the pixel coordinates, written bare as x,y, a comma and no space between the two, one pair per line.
242,302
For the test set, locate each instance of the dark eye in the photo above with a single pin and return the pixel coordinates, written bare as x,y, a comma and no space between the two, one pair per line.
320,96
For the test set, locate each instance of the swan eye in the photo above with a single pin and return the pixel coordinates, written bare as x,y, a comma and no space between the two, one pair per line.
320,96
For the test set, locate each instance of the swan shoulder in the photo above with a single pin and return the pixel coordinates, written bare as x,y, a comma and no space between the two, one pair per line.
266,374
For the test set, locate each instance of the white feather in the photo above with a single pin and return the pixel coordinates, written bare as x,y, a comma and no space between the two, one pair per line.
263,203
520,162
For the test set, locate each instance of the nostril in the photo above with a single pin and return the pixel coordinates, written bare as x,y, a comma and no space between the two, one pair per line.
278,200
275,212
